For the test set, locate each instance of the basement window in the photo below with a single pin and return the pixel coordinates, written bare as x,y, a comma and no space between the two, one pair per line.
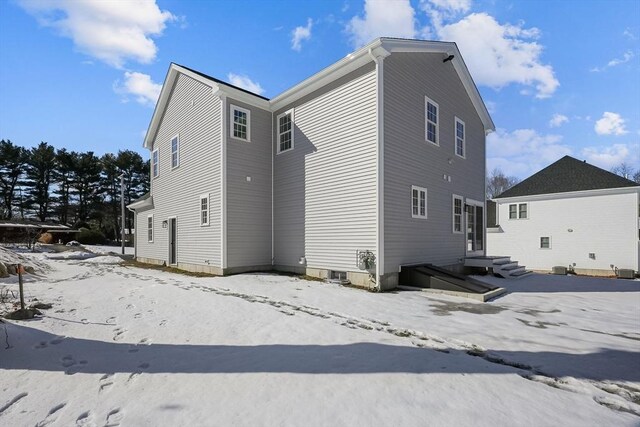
338,275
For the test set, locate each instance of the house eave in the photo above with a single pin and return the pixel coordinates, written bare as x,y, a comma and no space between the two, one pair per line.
141,204
569,194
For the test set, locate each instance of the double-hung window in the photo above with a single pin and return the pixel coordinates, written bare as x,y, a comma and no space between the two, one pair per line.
240,123
460,138
150,228
431,121
418,202
545,243
154,163
204,209
457,214
175,152
285,131
518,211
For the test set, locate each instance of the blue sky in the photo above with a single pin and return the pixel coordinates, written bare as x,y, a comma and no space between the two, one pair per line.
559,77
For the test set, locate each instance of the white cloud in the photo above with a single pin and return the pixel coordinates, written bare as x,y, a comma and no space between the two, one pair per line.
452,5
629,34
140,86
111,31
611,156
299,34
626,57
382,18
498,55
610,124
245,82
558,120
524,151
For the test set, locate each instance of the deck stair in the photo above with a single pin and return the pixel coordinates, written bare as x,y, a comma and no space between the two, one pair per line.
501,266
435,279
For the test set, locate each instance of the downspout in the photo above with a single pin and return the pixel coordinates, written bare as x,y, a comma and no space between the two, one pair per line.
273,258
378,58
223,182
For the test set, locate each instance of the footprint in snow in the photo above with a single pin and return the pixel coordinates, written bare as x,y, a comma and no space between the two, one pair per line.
57,340
51,416
105,382
118,333
114,417
41,344
12,402
68,361
130,306
137,315
144,365
163,322
111,320
85,420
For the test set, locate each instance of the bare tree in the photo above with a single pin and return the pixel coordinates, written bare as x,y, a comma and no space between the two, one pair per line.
625,170
498,183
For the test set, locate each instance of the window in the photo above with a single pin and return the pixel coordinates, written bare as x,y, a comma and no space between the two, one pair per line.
338,275
418,202
154,163
460,138
545,243
431,121
240,123
457,214
175,148
518,211
150,228
285,131
204,209
522,211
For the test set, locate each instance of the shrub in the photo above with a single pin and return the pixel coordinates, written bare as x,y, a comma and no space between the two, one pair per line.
87,236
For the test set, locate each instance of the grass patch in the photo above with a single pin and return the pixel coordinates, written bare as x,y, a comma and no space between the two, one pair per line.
157,267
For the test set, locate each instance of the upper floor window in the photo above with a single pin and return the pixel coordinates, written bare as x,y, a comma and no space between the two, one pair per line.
175,150
457,214
518,211
154,163
240,123
431,121
204,209
460,138
418,202
285,131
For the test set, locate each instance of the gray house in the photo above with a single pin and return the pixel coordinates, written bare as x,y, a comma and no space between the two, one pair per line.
375,162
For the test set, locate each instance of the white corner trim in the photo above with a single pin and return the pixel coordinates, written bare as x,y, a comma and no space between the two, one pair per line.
223,183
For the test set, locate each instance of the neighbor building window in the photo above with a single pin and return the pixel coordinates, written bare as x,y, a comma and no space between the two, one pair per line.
457,214
240,123
285,131
518,211
460,138
431,121
522,211
154,163
150,228
204,209
545,243
175,150
418,202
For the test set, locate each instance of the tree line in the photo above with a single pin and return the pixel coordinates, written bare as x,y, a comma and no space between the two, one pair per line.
78,189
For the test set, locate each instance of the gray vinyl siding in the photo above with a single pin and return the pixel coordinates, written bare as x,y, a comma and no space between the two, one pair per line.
325,188
249,202
195,114
410,160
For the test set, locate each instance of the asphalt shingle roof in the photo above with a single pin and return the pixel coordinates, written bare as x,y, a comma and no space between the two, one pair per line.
221,81
565,175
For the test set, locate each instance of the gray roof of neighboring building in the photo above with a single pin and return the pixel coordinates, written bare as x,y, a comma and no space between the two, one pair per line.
566,175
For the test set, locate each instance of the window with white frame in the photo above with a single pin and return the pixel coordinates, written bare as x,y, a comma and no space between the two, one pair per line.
545,242
460,138
431,121
240,123
457,214
285,131
204,209
518,211
175,152
418,202
150,228
154,163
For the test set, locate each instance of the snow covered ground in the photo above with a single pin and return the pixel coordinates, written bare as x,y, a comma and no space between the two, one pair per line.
142,347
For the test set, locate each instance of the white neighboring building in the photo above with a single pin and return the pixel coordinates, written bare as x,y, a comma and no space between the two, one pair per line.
570,212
